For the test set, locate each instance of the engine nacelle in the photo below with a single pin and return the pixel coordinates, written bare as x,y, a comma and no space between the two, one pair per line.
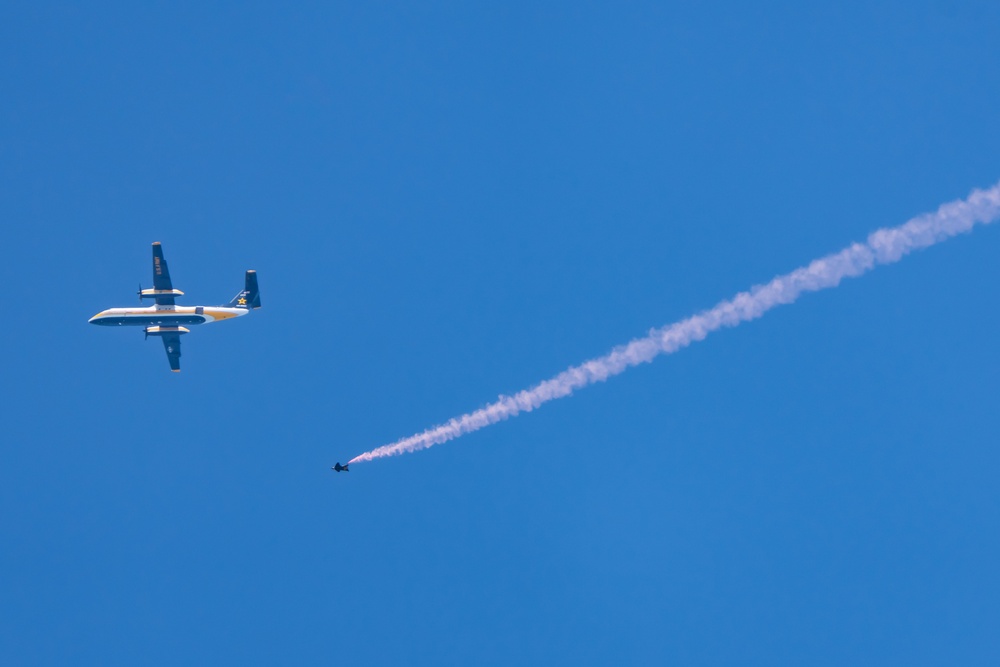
153,293
163,331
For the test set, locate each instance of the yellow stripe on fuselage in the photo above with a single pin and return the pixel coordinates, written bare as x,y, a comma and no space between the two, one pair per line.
219,314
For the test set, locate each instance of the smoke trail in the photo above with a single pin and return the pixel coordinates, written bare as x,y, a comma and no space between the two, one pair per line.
884,246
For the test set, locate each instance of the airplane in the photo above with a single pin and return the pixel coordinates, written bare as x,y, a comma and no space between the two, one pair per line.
165,319
340,468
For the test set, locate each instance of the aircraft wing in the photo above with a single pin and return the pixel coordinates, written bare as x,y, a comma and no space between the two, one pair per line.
172,344
161,278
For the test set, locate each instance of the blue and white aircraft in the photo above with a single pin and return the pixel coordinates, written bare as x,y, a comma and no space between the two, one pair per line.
166,320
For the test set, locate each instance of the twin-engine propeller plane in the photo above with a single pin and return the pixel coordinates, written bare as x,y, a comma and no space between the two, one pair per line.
166,320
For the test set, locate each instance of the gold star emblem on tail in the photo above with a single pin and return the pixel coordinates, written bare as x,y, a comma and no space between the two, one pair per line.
242,301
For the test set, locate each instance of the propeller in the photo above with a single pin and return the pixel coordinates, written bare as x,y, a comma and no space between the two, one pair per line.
140,294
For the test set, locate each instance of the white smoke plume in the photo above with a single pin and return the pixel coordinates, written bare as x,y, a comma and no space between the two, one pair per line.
884,246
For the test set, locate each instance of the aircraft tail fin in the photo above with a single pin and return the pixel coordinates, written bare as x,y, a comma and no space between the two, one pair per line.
250,296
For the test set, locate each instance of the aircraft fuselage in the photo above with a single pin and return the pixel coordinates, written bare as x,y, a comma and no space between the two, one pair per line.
165,315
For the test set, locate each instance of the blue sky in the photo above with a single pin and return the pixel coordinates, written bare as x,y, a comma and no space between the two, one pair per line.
453,201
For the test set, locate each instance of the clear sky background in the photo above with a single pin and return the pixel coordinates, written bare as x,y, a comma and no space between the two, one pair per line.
457,200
